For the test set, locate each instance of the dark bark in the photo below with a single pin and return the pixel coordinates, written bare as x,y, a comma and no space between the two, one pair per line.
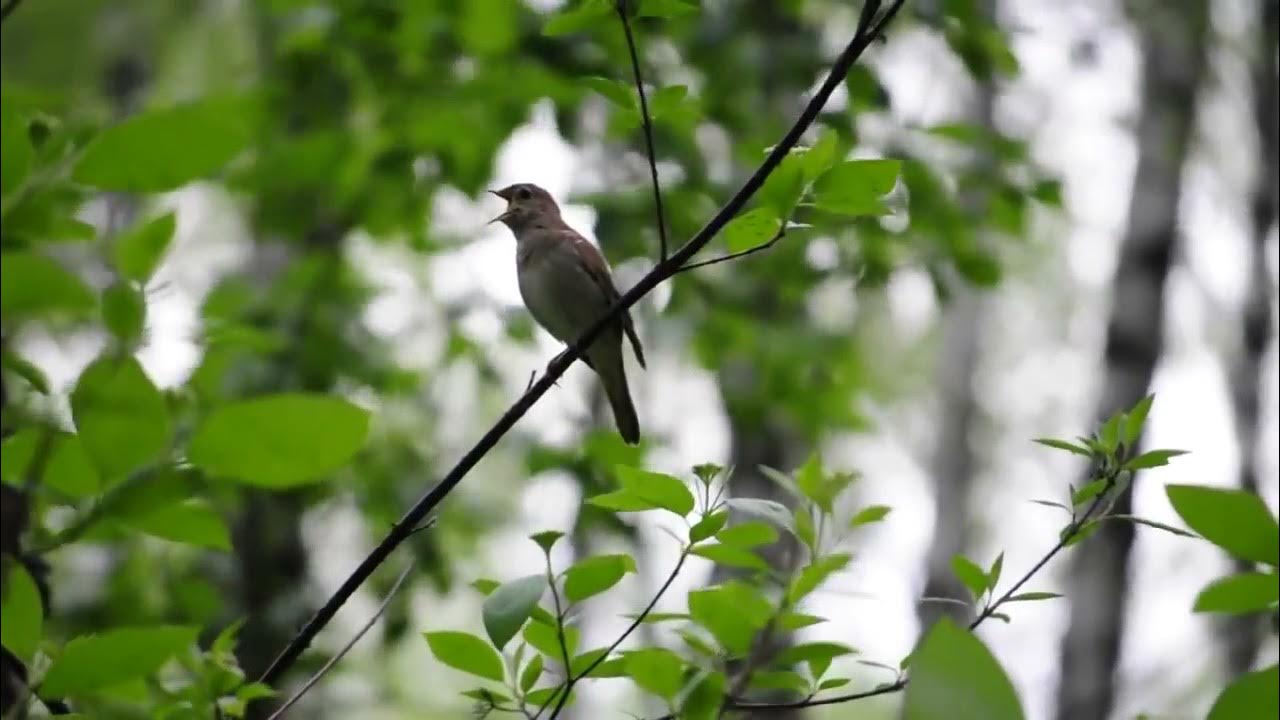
1172,38
1257,322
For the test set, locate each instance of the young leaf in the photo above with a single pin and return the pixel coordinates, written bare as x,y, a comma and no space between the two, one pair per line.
138,251
870,514
856,187
594,575
969,573
279,441
1234,520
22,614
656,670
733,612
1136,419
707,472
616,92
953,675
805,530
546,539
585,14
731,556
795,620
192,522
705,697
993,575
750,229
748,534
466,652
94,662
773,511
544,638
785,680
121,417
1033,596
507,608
1238,594
529,676
1089,491
1252,695
815,574
832,683
708,526
666,8
1064,445
124,312
547,696
167,148
661,491
1152,458
621,501
818,655
32,284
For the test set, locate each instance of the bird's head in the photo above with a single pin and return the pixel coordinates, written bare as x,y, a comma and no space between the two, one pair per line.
526,203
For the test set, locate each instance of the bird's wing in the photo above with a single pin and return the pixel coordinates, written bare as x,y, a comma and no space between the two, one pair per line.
598,270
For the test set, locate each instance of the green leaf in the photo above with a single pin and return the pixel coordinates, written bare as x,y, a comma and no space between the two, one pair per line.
705,697
1136,419
1033,596
771,510
993,575
15,160
1152,524
1064,445
954,676
784,187
466,652
785,680
1252,695
1238,594
708,526
731,556
615,91
857,187
748,534
124,312
545,696
544,638
657,489
707,472
24,369
546,539
795,620
971,574
192,523
815,574
750,229
70,471
870,514
167,148
95,662
121,417
733,612
1089,491
279,441
507,608
529,676
32,284
21,614
832,684
1152,458
584,15
655,670
621,501
802,519
666,8
487,696
818,159
1236,521
138,251
809,478
667,100
608,668
595,575
817,655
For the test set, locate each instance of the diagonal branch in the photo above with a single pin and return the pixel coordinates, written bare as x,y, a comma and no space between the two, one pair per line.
868,31
647,123
404,575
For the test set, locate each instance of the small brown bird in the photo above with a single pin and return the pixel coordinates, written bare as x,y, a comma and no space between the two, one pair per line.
566,284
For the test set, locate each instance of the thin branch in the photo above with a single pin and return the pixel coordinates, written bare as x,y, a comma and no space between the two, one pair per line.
782,232
635,623
404,575
646,122
564,647
665,269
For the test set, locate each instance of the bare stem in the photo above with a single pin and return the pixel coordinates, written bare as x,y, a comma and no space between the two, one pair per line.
646,123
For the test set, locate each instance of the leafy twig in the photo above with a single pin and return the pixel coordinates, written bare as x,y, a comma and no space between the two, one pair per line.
564,647
782,232
646,123
635,623
868,30
404,575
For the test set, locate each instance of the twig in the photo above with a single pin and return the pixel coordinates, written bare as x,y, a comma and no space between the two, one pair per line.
782,232
564,647
404,575
646,123
661,272
639,619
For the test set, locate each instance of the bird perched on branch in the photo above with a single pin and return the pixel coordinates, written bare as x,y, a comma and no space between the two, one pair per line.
567,286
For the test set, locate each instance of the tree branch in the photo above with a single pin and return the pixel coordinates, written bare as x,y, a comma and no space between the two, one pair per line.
647,123
404,574
868,31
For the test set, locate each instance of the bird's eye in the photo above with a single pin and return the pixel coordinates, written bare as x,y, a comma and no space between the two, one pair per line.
523,194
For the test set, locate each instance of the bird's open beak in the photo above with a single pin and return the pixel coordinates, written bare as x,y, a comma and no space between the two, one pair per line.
507,212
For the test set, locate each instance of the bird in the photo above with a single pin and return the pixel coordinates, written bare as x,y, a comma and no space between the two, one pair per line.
566,284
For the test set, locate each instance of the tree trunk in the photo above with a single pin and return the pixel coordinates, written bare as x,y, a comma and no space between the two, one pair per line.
1244,633
1173,38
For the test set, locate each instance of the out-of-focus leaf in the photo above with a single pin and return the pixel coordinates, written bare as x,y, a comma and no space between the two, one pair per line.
120,415
95,662
953,675
507,608
1236,521
466,652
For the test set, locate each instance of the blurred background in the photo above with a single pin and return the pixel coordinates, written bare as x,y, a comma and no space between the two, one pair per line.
1087,213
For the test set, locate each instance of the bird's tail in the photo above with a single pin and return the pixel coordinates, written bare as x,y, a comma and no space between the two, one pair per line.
614,378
